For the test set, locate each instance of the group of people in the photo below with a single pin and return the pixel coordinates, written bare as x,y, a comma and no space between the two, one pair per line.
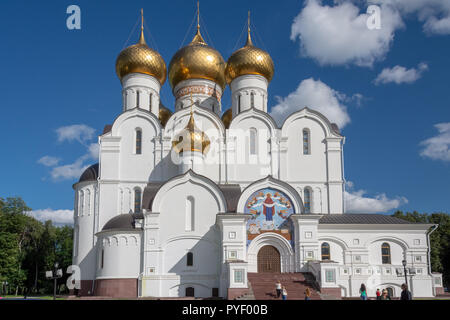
384,294
281,291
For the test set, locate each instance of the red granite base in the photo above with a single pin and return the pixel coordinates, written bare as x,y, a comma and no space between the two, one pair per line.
236,292
335,292
117,288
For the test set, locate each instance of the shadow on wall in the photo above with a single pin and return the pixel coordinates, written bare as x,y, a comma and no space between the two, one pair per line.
199,268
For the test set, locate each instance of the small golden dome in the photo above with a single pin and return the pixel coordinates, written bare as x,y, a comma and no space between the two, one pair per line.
197,60
249,60
227,117
164,115
191,138
139,58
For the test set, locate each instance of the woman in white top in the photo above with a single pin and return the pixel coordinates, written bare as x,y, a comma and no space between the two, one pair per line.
278,287
284,293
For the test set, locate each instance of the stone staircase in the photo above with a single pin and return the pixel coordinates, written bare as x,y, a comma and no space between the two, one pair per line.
263,285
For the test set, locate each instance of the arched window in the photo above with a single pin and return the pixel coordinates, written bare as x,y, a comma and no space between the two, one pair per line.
253,141
307,200
138,98
138,141
190,292
306,142
190,259
390,291
150,98
102,259
88,202
190,214
325,251
252,99
81,205
386,253
137,200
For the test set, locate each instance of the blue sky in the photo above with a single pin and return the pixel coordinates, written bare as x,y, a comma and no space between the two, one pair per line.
55,78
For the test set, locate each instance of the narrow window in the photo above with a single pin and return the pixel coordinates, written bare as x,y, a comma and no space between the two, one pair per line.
306,142
252,99
190,259
138,98
137,200
215,292
325,251
307,200
386,253
253,142
190,214
190,292
81,206
239,104
102,260
150,101
138,142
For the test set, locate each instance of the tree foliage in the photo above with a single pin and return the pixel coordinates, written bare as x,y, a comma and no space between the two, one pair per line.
439,239
29,247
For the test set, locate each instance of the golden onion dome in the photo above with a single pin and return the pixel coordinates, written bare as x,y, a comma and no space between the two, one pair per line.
164,115
227,117
139,58
197,60
191,138
249,60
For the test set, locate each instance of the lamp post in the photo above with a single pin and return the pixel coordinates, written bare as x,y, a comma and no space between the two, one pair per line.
54,275
404,271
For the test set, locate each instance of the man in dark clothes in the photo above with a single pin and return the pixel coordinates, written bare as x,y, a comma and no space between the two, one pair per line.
406,294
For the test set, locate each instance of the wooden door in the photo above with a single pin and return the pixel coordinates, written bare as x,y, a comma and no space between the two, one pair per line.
269,260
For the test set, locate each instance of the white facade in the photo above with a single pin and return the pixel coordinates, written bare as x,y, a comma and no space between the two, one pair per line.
192,222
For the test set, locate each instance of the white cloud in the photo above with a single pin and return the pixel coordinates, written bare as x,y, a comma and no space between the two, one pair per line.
399,74
70,171
49,161
356,201
338,35
438,147
94,149
58,217
316,95
77,132
435,14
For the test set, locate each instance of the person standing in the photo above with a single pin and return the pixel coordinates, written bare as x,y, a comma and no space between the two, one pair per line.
284,293
378,294
384,295
406,294
278,287
363,292
307,294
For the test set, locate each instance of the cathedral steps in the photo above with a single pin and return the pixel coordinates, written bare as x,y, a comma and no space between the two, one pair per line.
263,285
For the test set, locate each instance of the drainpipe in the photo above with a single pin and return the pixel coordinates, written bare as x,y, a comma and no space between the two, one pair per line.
429,232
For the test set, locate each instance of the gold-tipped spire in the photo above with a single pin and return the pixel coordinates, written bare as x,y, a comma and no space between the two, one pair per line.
142,38
198,36
249,36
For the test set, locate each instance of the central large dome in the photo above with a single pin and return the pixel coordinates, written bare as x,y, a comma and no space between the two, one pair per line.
197,60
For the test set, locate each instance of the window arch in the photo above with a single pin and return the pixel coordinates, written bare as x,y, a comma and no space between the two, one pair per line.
325,249
306,141
307,200
138,98
253,141
190,259
386,253
138,141
137,200
252,99
190,205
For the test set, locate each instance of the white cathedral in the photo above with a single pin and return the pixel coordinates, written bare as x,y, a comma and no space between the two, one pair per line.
193,203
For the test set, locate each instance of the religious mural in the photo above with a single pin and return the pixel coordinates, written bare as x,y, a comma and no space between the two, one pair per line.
270,210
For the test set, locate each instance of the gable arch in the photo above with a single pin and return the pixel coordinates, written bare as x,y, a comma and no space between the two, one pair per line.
314,115
270,182
136,113
255,114
192,177
172,127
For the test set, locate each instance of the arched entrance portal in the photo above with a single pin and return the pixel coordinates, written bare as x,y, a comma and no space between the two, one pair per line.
269,260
